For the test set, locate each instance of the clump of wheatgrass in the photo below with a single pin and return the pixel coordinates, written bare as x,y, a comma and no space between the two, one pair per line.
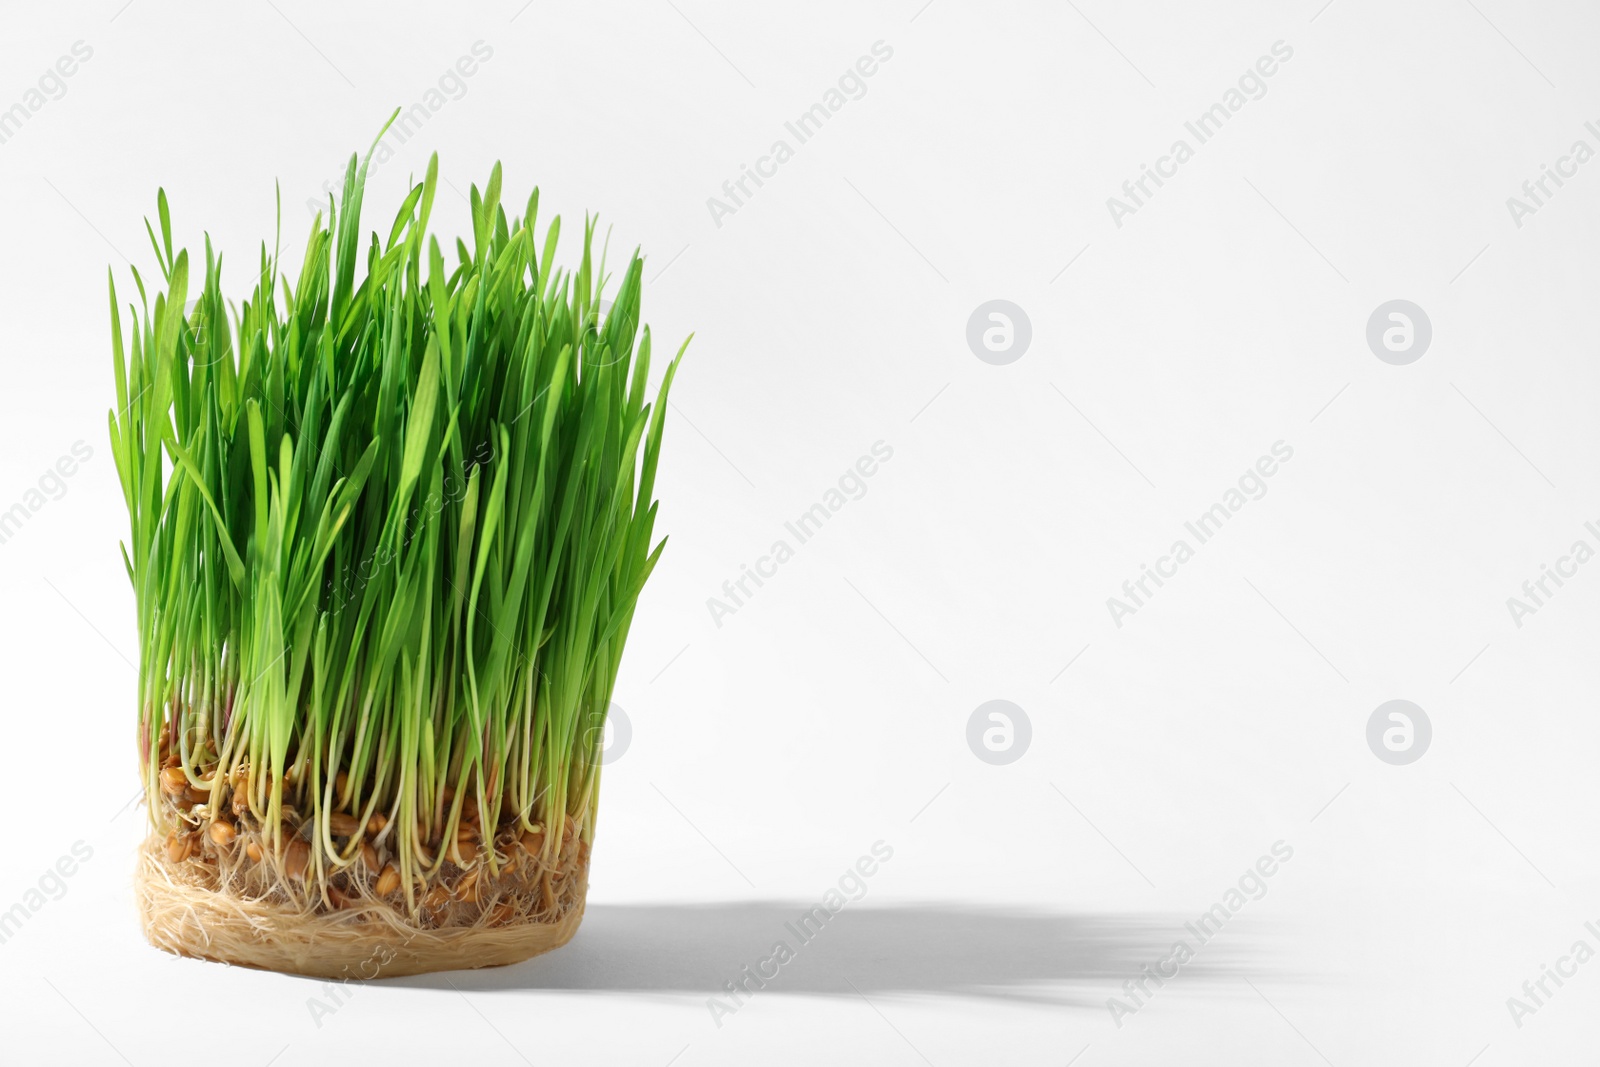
388,529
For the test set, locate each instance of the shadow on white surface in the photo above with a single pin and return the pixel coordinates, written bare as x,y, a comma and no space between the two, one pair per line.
950,949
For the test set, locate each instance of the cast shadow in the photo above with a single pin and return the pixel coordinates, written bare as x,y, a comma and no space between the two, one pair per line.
1009,954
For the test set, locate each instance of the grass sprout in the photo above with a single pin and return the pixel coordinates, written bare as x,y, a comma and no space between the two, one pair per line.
388,528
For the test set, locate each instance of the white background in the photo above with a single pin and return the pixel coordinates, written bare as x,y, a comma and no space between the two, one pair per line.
830,711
